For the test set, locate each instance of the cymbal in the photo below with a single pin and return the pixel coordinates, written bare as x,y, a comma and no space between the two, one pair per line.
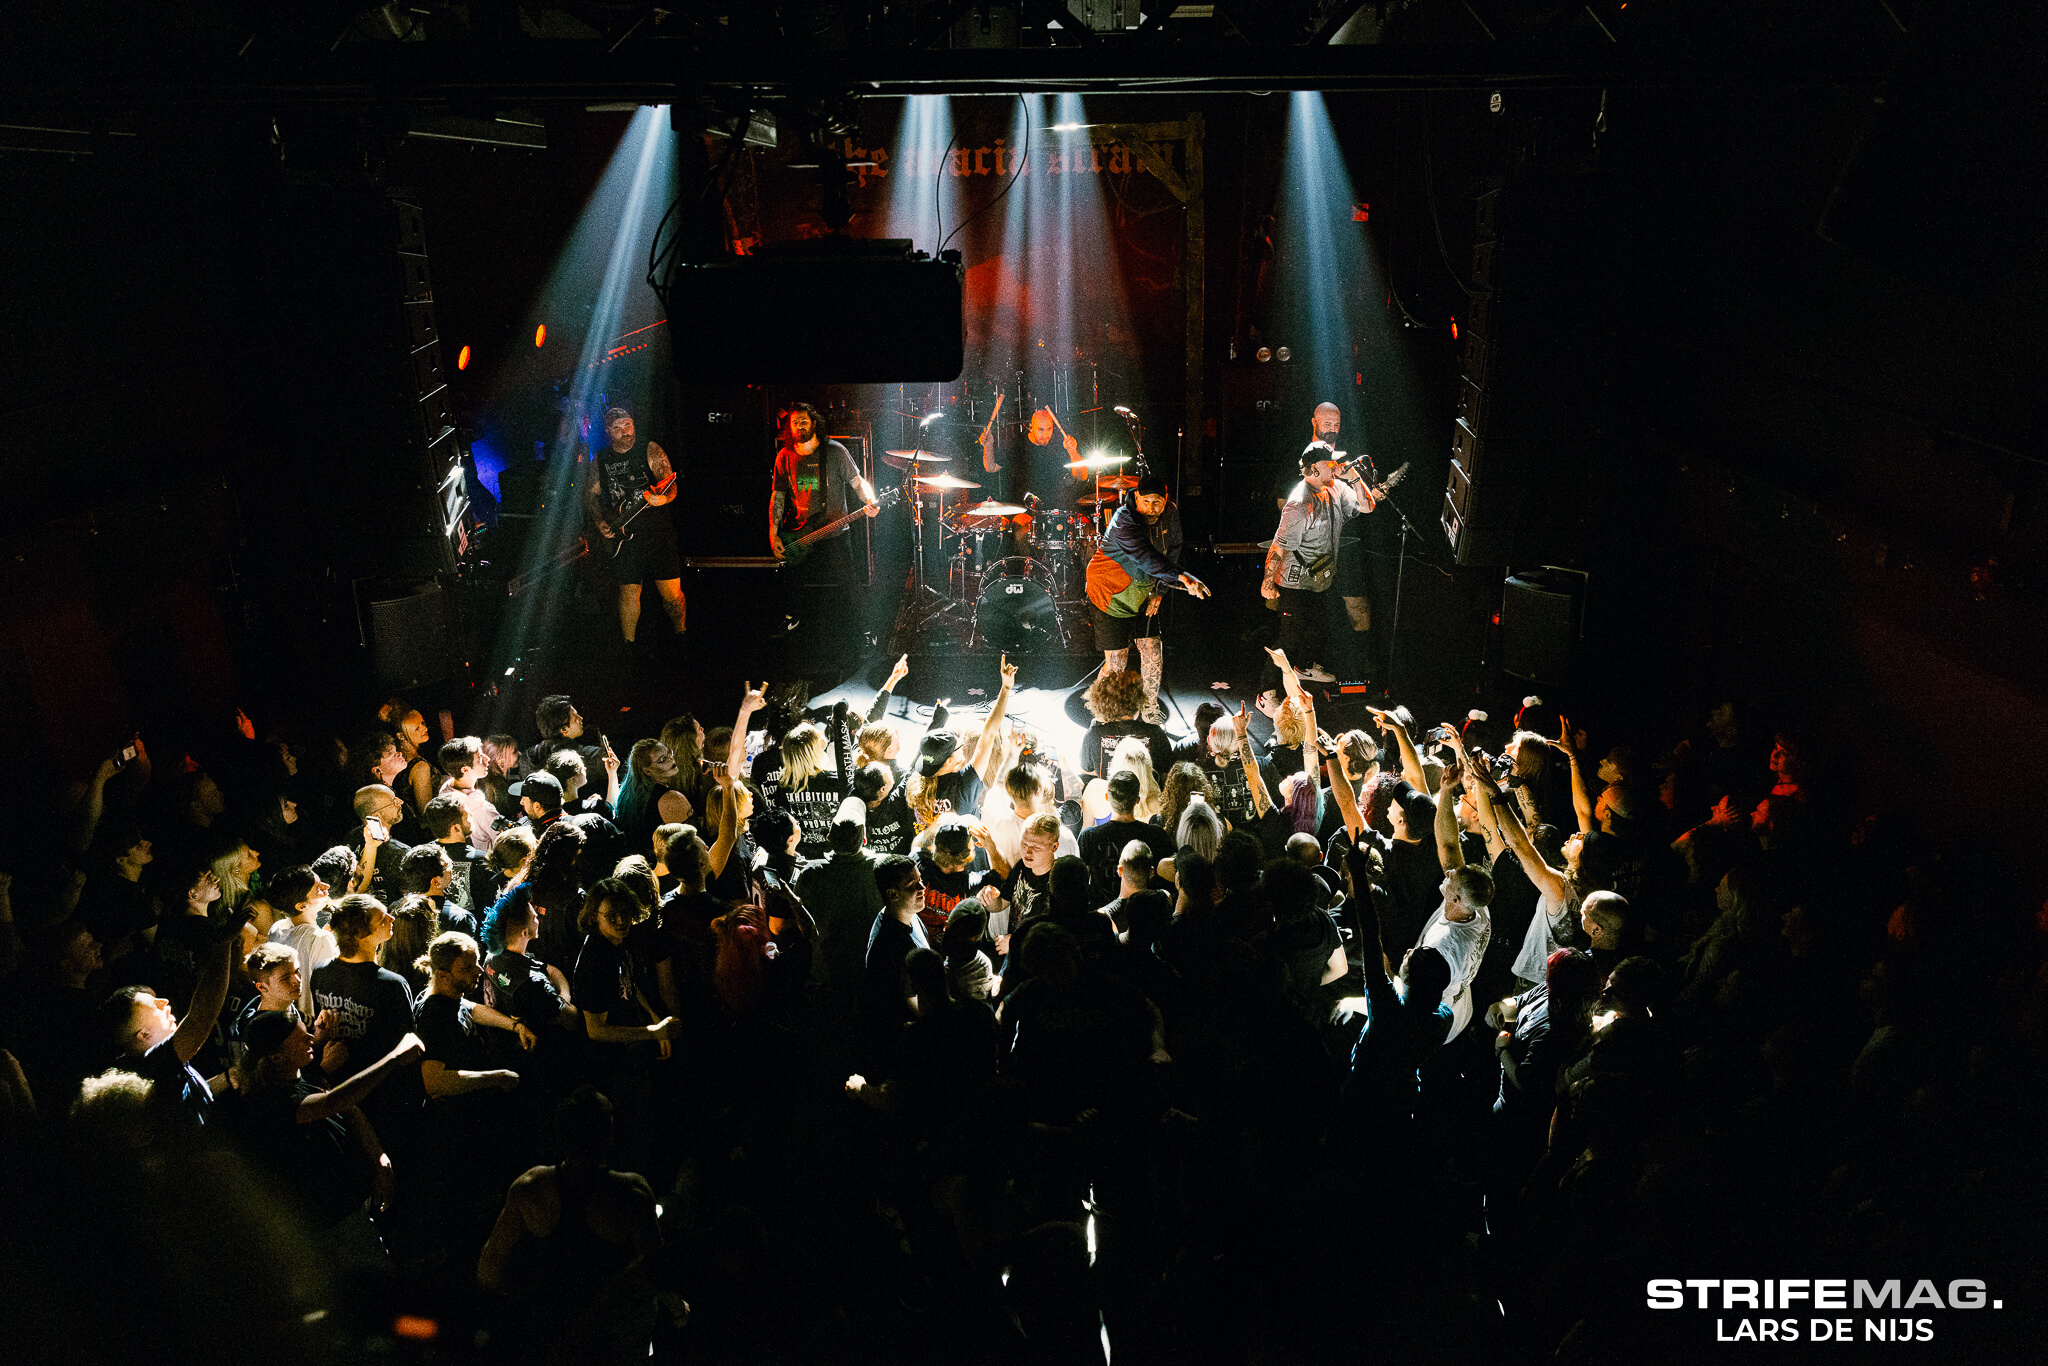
1098,462
991,509
916,453
1118,481
912,459
945,481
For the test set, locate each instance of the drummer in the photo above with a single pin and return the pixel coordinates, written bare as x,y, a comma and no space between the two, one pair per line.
1037,468
1138,557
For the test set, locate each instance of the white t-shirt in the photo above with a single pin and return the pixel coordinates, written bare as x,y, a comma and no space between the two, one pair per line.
1001,818
1547,927
315,947
1462,944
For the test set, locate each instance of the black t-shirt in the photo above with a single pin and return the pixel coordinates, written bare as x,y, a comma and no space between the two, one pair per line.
1103,845
519,986
1098,746
944,891
960,792
317,1163
891,826
813,806
1028,893
1303,948
180,1091
372,1007
384,877
1234,794
622,476
447,1027
603,982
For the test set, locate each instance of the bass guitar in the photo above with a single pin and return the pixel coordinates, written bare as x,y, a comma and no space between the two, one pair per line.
795,552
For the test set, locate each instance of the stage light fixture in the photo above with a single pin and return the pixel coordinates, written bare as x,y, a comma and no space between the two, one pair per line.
462,359
1263,354
1283,355
1454,329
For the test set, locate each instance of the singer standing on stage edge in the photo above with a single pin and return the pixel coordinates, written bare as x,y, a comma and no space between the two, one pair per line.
1139,549
1302,562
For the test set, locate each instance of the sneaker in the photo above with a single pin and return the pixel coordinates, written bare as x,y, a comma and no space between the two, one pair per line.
1152,713
1316,673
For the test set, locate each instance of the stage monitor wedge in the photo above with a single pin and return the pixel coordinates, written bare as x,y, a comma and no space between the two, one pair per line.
842,312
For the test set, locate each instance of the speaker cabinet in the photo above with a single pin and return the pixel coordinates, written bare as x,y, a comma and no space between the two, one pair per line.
1539,625
411,637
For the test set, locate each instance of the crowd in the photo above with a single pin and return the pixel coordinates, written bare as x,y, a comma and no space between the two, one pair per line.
819,1036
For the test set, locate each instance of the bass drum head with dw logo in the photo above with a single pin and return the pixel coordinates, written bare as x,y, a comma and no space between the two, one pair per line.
1015,612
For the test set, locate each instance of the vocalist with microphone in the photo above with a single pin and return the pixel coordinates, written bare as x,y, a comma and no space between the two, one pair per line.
1304,559
1138,559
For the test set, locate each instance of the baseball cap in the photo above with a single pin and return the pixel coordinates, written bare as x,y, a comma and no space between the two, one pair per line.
544,788
938,747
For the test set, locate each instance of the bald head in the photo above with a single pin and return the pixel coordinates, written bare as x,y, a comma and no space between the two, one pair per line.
1327,421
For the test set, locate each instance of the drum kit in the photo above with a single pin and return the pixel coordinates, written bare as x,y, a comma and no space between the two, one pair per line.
1015,573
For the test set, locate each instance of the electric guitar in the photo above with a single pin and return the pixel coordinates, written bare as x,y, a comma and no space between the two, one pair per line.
794,552
640,499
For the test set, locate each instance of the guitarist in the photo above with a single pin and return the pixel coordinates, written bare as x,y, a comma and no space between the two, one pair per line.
628,480
815,482
1303,561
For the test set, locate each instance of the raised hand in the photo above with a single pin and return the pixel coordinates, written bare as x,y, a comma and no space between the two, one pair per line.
756,698
1009,672
897,674
1382,720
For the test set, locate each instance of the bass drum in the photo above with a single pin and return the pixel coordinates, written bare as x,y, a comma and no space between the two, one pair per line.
1015,612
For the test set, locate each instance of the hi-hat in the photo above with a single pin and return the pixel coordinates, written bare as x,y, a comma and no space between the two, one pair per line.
904,460
945,481
1098,462
992,509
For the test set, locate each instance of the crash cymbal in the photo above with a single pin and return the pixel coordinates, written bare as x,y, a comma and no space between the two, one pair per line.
1104,501
1118,481
912,459
944,481
1098,462
992,509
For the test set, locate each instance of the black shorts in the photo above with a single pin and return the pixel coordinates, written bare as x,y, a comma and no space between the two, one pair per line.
649,555
1117,633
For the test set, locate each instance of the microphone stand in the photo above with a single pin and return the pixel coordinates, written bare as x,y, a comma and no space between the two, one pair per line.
1400,573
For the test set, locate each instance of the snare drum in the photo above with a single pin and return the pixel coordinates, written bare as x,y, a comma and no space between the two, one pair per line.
1015,611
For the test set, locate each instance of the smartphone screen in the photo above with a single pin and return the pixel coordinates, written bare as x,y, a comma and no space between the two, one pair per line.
128,754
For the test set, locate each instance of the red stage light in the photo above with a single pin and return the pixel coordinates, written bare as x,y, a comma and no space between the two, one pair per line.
417,1328
1361,213
462,359
540,335
1454,329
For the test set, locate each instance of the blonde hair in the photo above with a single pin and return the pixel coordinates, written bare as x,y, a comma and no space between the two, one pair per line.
803,755
923,795
233,890
1045,826
1133,755
1290,724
